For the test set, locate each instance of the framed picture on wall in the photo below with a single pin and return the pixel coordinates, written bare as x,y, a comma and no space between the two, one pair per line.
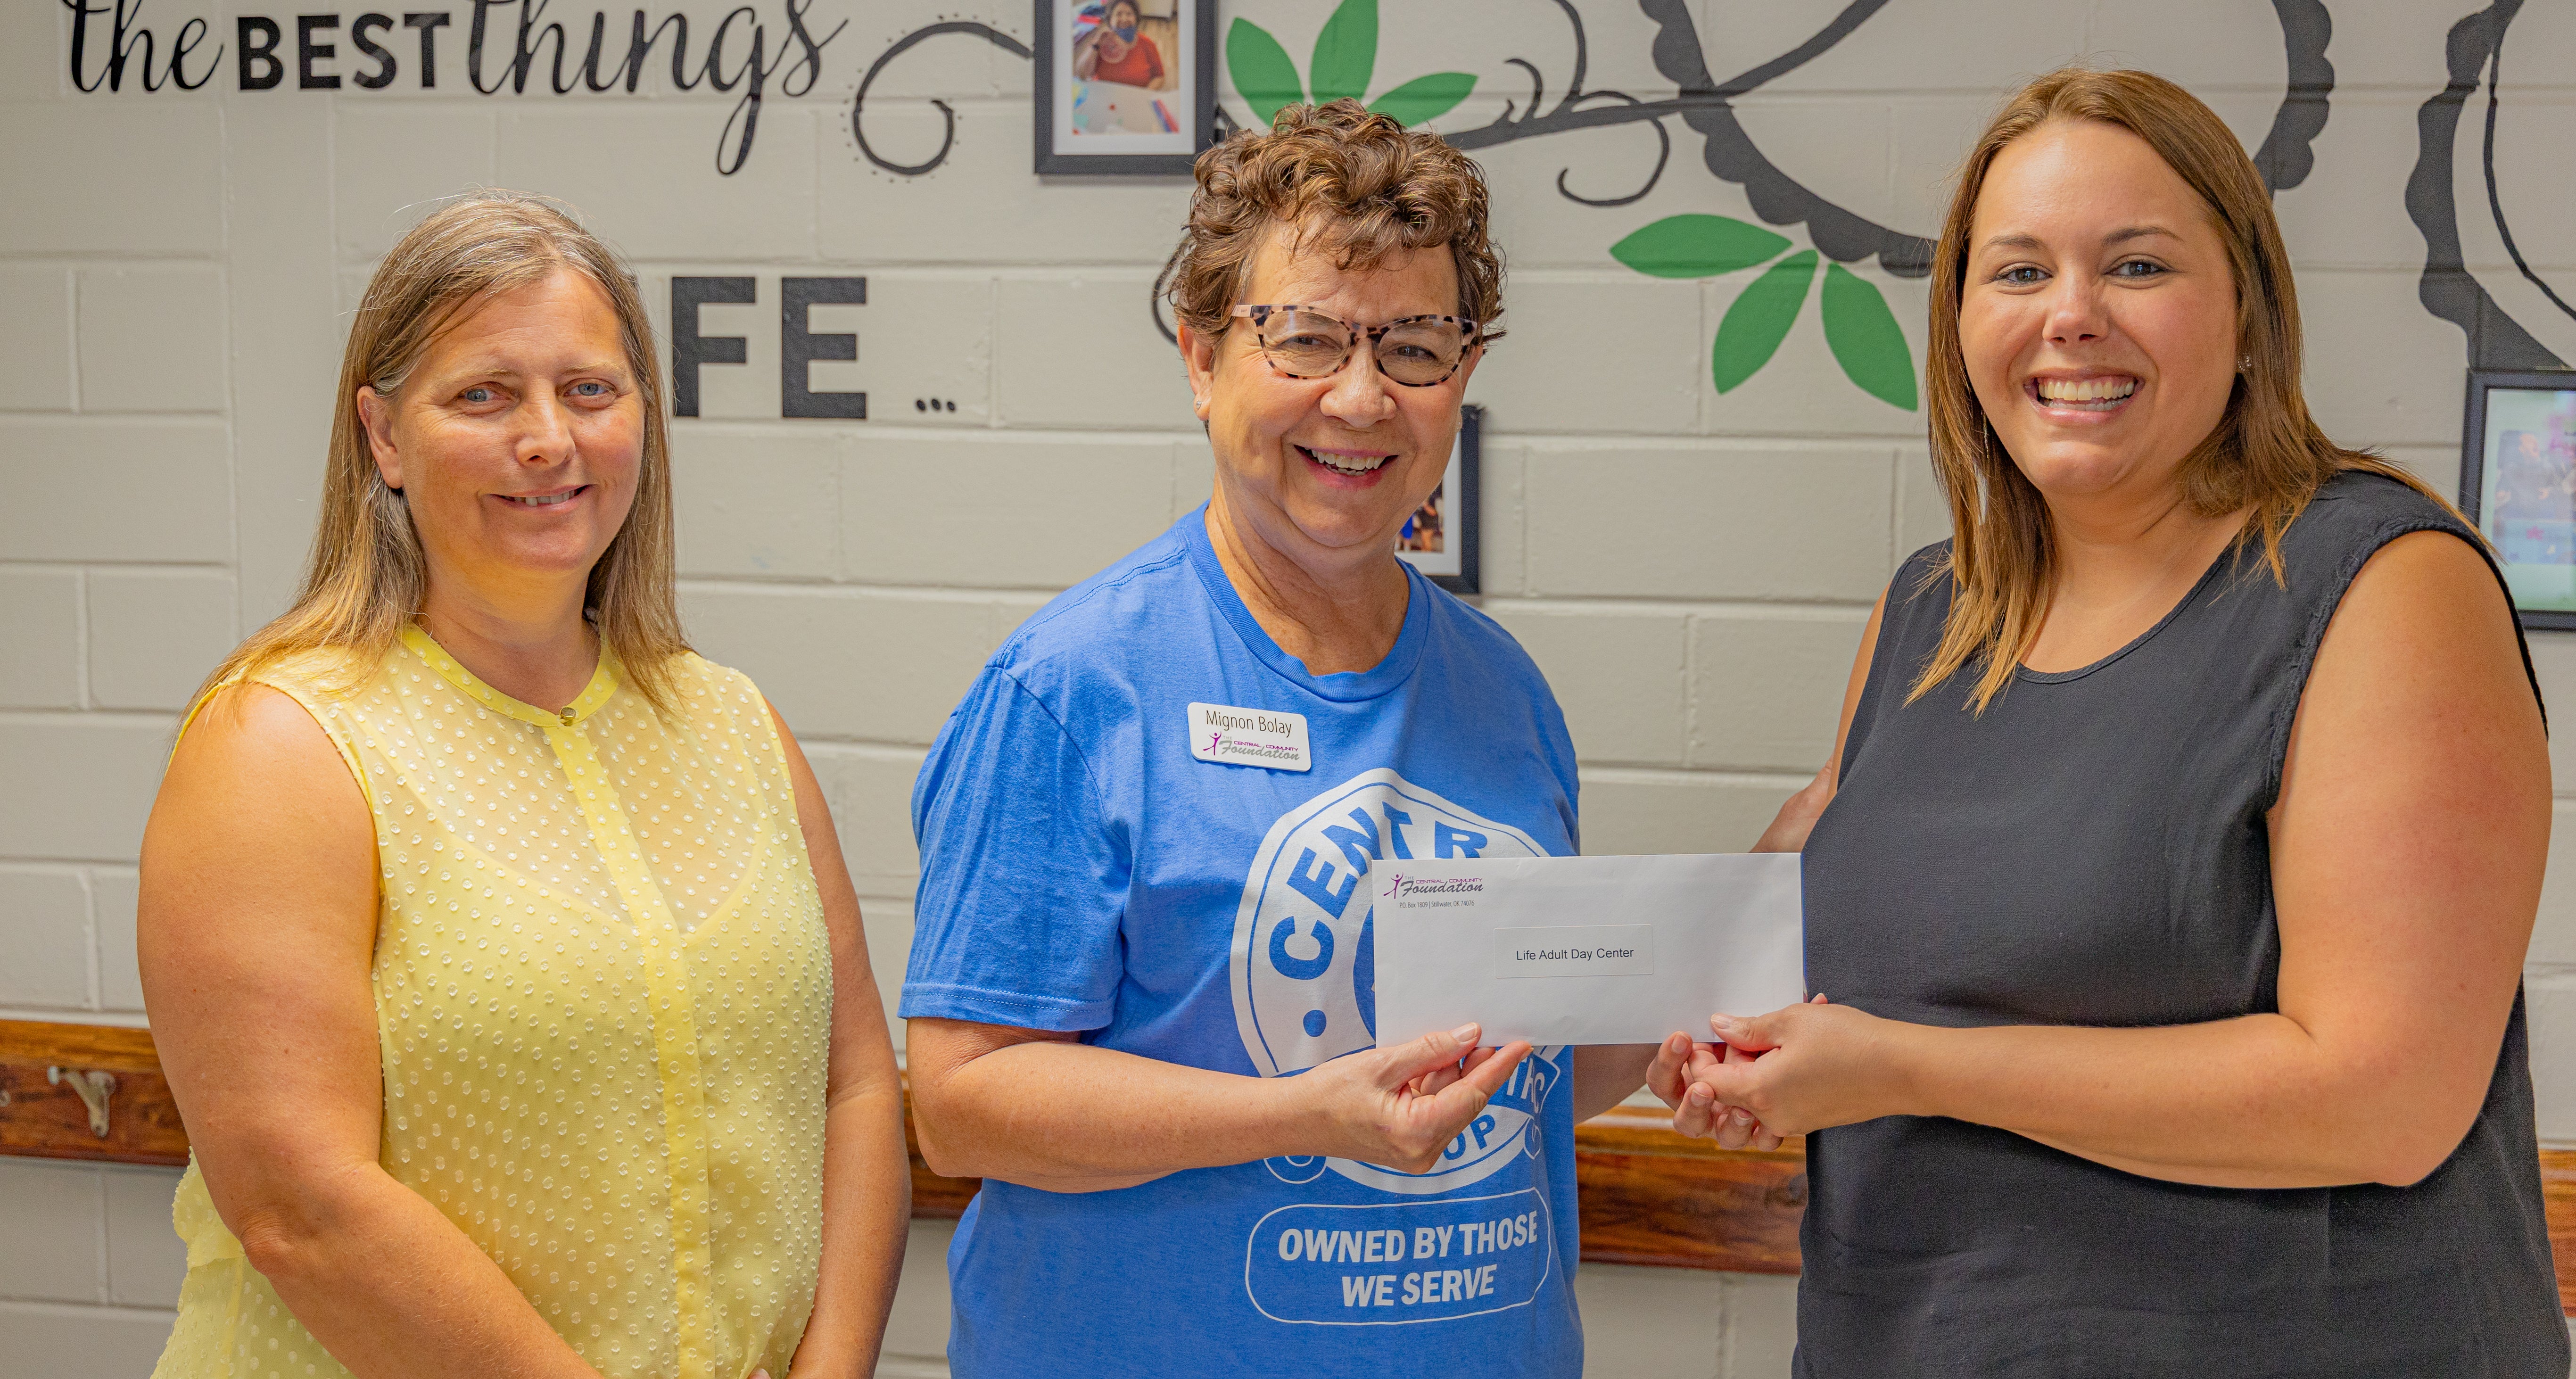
1440,538
2518,483
1124,87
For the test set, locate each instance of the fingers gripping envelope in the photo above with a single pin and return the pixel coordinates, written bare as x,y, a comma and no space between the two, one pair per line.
1585,950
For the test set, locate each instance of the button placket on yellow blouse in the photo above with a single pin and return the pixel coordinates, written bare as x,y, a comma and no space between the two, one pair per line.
675,1034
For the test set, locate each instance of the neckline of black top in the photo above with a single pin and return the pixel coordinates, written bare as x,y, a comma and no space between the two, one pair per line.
2225,558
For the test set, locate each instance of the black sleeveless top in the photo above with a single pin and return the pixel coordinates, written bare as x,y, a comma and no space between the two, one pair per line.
2092,851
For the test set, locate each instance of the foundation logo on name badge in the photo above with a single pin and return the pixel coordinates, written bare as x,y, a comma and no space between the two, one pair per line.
1303,965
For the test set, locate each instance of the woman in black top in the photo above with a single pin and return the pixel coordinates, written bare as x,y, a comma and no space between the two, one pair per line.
2171,881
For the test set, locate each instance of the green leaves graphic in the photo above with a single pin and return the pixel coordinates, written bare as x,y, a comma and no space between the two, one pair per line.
1345,60
1866,340
1425,98
1760,319
1859,328
1697,246
1262,70
1345,52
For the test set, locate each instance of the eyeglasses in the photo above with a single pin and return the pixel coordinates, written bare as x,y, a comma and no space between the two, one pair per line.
1416,351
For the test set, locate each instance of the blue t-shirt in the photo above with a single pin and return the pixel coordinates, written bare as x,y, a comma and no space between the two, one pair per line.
1083,869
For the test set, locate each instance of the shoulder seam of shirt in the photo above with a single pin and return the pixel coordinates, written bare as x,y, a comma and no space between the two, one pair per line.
1049,614
1909,584
1481,621
1090,778
2347,568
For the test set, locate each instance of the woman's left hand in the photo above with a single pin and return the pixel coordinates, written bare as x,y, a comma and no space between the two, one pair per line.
1799,1068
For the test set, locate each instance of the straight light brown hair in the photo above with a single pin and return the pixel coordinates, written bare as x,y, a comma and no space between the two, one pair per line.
366,576
2267,455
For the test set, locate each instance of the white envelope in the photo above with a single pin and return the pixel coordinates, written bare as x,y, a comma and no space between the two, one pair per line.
1585,950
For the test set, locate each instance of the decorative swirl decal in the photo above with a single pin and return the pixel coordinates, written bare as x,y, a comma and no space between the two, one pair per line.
2448,289
947,113
1728,149
1571,113
1706,105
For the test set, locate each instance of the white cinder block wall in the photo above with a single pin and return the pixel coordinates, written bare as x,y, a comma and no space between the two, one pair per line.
1691,568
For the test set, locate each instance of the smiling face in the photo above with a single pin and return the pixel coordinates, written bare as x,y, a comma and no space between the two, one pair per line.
2098,318
516,439
1325,470
1119,22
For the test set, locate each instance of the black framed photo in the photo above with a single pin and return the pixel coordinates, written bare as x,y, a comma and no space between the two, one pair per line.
1124,87
1440,538
2518,484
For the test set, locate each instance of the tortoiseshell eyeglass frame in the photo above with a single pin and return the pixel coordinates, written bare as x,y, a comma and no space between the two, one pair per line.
1258,315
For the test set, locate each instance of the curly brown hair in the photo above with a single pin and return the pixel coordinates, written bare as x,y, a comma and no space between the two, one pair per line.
1356,183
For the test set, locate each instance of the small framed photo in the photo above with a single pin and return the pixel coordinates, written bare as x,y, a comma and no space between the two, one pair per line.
1124,87
1440,538
2518,484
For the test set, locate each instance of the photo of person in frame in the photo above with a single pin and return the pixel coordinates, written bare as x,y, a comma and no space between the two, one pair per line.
1123,78
1116,43
2533,511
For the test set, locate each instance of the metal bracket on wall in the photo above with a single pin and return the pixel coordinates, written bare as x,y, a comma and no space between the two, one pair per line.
92,1087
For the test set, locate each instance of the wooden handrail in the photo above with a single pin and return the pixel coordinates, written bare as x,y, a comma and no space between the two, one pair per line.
1649,1196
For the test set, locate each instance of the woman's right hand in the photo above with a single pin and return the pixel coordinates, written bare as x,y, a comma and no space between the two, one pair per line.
1668,1076
1399,1107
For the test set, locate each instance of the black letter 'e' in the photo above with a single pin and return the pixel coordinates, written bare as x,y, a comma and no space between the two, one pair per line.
306,50
690,349
799,346
260,69
383,76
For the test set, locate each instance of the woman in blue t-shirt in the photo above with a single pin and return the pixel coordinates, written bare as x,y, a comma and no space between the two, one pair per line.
1145,833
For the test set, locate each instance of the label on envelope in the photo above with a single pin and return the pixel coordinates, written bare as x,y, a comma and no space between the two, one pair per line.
1250,737
1592,950
1584,950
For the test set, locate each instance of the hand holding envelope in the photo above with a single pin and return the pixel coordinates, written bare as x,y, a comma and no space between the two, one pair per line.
1398,1105
1796,1069
1690,1085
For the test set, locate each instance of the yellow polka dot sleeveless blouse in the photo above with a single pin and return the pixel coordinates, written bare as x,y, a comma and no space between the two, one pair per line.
603,1001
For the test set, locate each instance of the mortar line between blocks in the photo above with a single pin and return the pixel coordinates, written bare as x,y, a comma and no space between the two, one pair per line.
81,640
98,1237
89,911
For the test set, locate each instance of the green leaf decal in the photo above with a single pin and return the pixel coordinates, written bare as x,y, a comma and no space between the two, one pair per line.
1696,246
1263,74
1345,52
1425,98
1866,339
1760,319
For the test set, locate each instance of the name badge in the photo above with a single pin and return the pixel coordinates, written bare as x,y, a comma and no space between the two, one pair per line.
1249,737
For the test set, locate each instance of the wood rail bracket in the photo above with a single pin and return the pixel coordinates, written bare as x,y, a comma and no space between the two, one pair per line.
93,1086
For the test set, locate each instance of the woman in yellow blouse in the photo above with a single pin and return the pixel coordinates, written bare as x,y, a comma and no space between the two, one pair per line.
498,948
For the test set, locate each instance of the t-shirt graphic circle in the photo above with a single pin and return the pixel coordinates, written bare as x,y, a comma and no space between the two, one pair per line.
1304,958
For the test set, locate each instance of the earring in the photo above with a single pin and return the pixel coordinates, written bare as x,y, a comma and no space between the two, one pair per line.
2244,362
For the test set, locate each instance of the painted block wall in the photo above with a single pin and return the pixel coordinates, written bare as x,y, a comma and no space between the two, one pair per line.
1691,568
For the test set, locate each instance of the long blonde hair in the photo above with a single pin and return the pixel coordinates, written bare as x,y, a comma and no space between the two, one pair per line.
2267,454
366,577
